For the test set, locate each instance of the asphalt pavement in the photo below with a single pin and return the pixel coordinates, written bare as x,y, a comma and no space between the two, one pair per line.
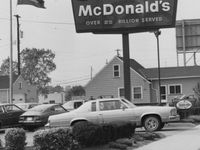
186,140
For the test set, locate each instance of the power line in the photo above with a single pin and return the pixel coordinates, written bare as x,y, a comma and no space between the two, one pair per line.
75,81
77,78
43,22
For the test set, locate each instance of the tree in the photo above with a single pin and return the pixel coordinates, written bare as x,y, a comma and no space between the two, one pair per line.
5,67
36,65
75,91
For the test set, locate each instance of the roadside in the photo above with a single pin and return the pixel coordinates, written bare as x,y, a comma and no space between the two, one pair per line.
187,140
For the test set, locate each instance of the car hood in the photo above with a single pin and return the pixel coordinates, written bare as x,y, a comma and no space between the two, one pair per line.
32,113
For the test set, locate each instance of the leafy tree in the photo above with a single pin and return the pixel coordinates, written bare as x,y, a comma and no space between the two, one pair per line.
75,91
5,67
36,65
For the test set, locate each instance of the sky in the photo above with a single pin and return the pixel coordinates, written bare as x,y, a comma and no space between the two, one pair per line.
82,55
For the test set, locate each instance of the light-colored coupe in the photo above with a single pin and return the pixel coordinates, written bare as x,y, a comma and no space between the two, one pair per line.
101,111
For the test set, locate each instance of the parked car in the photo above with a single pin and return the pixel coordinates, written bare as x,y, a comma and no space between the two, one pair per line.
117,109
73,104
26,106
38,115
9,115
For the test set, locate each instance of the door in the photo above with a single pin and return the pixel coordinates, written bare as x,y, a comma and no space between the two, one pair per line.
114,111
163,93
11,114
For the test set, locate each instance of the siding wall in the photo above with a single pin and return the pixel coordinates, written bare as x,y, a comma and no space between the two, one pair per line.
104,84
187,86
4,96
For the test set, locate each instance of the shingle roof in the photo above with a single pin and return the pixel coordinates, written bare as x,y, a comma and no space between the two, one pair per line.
165,73
173,72
137,67
4,81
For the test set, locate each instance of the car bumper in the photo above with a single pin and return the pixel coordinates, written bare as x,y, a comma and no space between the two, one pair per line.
32,123
172,119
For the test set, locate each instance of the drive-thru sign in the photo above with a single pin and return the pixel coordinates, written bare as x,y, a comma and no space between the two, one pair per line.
123,15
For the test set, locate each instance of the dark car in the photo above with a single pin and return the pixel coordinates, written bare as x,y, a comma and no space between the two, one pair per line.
9,115
38,115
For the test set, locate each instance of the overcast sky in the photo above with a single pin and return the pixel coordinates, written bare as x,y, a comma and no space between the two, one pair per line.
53,28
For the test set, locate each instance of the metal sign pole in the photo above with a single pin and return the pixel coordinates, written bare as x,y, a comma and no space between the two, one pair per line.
11,55
126,59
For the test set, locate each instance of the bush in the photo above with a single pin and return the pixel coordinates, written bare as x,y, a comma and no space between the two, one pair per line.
121,130
15,139
0,143
88,134
53,139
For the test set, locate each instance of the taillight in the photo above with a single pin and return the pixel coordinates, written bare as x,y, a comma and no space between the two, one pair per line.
21,118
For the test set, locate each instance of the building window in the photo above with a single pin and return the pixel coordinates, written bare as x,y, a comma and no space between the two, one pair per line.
20,85
137,92
175,89
121,92
116,71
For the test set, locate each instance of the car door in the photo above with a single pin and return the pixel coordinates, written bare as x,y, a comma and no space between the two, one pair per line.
2,117
12,114
114,111
89,112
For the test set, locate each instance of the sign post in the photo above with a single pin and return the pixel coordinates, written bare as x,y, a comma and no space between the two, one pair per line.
126,60
123,17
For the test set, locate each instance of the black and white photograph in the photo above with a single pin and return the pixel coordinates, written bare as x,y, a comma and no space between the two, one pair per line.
99,75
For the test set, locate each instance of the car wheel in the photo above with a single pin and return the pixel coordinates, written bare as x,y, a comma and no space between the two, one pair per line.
152,123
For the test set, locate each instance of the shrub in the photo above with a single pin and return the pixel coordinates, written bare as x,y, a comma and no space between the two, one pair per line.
15,139
87,134
0,143
122,130
53,139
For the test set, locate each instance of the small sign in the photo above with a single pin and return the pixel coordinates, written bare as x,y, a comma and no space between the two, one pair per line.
106,16
184,104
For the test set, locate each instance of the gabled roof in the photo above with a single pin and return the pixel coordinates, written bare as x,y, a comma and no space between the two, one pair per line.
173,72
137,67
4,81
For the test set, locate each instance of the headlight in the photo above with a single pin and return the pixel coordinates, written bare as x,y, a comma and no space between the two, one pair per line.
173,112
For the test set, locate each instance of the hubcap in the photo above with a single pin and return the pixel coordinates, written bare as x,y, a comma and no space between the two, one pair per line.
151,124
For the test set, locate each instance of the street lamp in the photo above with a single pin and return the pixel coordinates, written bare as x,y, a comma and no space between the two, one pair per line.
157,33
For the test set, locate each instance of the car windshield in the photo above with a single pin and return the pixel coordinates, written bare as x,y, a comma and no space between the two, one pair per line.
40,108
68,104
128,103
86,107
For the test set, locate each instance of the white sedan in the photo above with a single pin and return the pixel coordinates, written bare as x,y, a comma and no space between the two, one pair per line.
110,110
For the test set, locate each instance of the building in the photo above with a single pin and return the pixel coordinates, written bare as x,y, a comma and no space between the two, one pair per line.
175,81
55,97
22,91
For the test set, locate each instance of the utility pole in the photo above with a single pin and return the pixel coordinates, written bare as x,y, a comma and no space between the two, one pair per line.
18,45
118,50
